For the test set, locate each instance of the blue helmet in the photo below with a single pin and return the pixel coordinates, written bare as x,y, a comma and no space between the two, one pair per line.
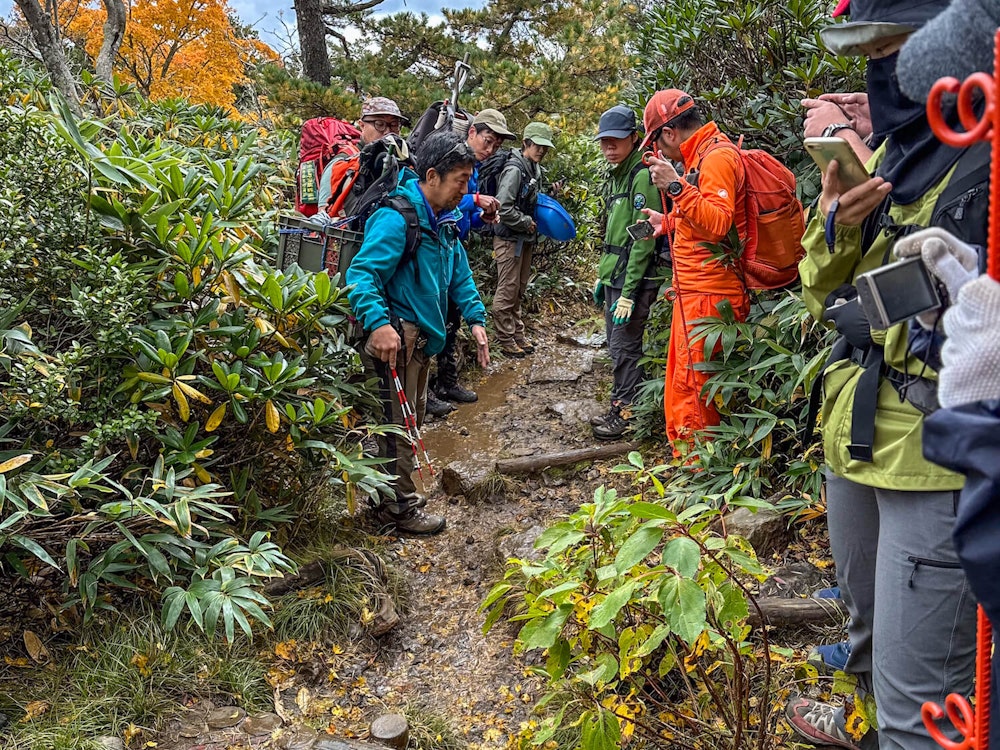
553,220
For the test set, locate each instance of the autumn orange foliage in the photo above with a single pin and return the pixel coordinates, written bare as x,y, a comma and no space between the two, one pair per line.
172,48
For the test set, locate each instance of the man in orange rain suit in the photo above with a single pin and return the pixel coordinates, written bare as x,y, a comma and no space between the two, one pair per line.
707,202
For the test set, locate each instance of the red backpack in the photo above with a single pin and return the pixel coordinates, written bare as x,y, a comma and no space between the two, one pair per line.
775,220
322,139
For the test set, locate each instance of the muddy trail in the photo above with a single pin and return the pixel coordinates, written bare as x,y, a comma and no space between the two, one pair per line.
466,689
459,688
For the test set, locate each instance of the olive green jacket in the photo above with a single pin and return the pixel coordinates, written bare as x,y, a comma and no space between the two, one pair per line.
898,463
624,199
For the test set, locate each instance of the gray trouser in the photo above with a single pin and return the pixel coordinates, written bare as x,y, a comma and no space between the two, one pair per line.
913,618
625,343
413,375
513,272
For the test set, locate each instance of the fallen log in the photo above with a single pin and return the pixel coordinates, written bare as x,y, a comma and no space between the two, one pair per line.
784,612
531,464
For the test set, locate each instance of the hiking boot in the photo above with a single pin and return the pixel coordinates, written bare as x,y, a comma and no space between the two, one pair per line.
414,522
458,393
831,593
512,350
830,658
436,407
613,427
526,346
818,723
599,419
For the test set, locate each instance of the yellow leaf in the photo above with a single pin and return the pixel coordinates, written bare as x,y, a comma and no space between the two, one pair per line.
36,649
34,709
202,475
216,419
302,699
12,463
285,650
766,445
271,416
183,407
194,393
131,732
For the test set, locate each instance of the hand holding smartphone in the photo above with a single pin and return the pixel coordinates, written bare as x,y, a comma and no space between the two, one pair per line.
641,230
824,150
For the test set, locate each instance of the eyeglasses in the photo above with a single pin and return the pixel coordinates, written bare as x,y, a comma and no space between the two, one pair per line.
384,126
490,141
656,135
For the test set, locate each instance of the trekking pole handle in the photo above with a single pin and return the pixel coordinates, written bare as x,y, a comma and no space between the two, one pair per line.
976,129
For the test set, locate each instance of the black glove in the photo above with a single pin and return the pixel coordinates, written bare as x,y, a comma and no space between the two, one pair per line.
845,312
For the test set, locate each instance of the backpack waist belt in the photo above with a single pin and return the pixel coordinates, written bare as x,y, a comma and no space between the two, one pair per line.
920,392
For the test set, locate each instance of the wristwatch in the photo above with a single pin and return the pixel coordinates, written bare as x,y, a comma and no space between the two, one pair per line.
831,130
675,188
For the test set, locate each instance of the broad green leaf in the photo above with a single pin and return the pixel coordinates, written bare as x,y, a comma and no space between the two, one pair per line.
608,609
542,633
637,547
683,555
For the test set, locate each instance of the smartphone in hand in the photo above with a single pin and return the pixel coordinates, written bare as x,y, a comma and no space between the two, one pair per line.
824,150
641,230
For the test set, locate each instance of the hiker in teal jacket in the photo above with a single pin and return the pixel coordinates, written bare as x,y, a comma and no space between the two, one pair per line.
626,275
402,303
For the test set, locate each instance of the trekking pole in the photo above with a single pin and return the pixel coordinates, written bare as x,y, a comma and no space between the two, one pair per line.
412,430
404,406
972,725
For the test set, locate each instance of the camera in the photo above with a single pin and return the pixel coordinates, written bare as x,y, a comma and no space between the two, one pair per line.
897,292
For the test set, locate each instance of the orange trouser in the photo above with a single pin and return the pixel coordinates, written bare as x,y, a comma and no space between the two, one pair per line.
683,406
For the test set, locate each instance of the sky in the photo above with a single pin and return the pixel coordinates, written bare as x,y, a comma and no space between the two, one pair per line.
267,15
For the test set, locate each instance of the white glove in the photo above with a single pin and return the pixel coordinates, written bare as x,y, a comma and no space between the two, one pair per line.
947,258
971,352
623,311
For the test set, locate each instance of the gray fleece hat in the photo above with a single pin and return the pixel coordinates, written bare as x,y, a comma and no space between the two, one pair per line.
956,43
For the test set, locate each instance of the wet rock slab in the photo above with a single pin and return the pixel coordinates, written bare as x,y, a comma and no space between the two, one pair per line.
593,341
521,545
563,366
576,411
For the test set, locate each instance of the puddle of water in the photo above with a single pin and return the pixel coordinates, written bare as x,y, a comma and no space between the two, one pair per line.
444,440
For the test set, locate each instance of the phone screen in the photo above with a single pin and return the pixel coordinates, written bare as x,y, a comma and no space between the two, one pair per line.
641,230
824,150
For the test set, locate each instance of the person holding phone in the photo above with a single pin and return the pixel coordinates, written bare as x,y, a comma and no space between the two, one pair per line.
627,273
707,198
890,511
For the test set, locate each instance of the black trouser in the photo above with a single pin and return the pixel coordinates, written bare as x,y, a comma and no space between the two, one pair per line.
447,359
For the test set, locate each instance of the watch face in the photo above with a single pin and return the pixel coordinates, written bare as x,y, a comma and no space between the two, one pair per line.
675,188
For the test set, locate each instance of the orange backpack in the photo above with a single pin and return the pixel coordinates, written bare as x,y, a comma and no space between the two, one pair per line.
775,220
342,178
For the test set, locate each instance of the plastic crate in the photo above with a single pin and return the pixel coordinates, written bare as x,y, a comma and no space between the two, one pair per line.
314,247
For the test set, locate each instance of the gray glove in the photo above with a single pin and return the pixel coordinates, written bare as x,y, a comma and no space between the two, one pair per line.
950,260
971,353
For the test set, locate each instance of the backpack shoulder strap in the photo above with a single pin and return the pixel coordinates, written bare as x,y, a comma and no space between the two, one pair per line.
413,231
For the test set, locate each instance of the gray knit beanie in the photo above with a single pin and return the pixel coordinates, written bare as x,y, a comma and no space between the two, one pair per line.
956,43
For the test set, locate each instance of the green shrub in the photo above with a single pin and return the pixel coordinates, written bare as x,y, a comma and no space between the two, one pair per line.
641,613
175,409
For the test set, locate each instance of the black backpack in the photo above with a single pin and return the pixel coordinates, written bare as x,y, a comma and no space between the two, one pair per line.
437,117
489,171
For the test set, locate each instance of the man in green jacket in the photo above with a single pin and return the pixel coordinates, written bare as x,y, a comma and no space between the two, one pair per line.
890,512
516,235
626,275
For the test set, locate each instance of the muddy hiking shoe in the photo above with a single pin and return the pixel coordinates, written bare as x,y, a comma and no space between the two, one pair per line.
616,425
599,419
457,393
526,346
512,350
414,522
436,407
818,723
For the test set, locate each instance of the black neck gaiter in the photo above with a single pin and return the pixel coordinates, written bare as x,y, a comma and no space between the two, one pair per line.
915,160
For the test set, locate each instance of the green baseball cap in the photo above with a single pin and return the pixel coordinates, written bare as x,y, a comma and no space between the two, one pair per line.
538,132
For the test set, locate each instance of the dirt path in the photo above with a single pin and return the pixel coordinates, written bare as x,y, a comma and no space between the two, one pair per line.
439,657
